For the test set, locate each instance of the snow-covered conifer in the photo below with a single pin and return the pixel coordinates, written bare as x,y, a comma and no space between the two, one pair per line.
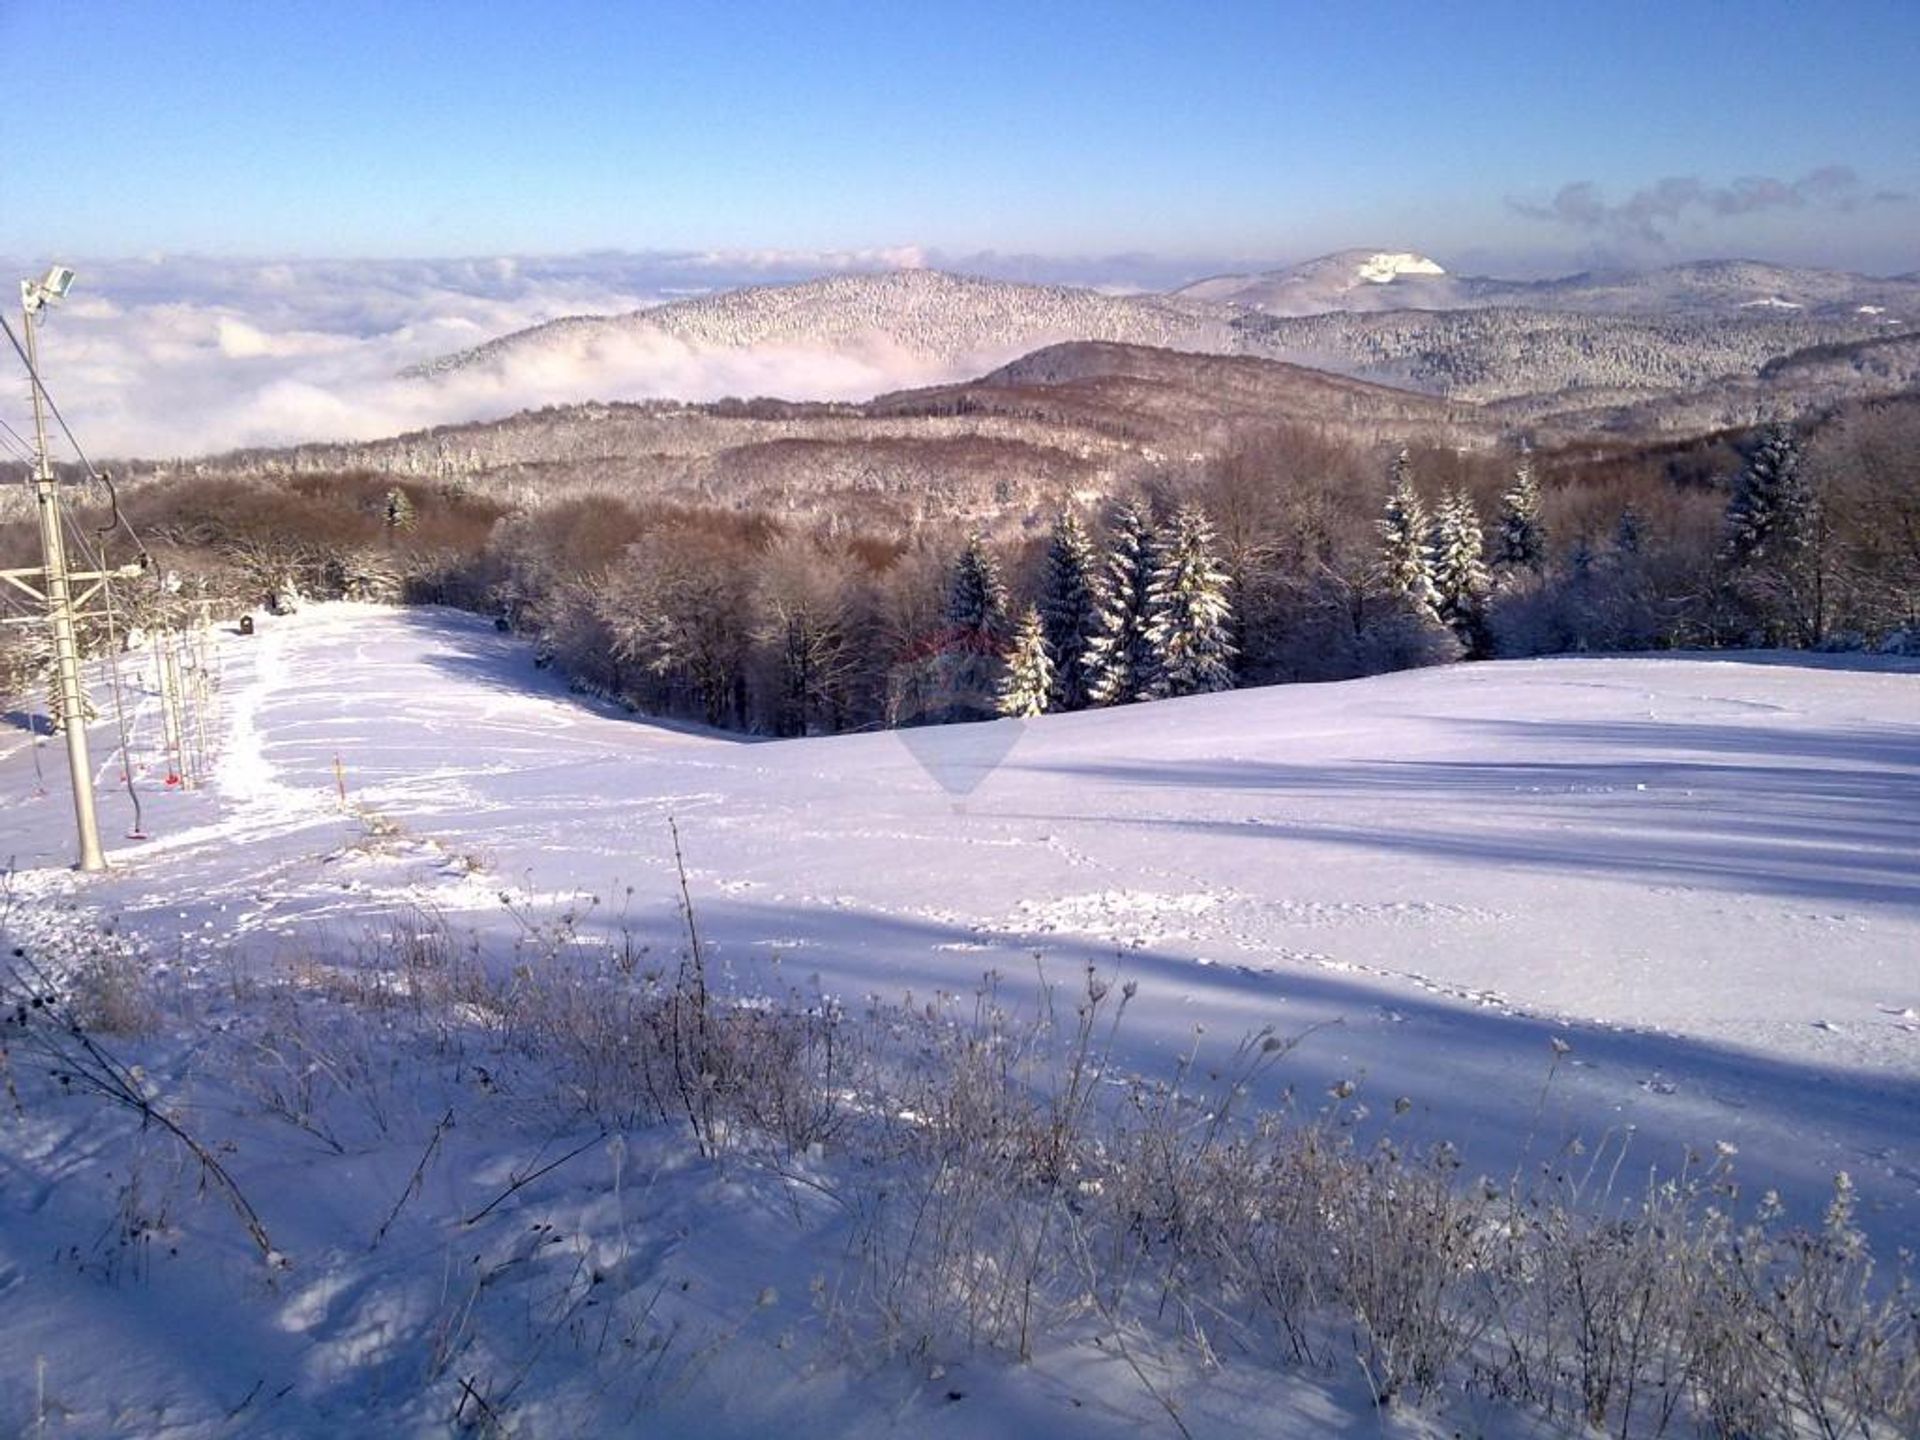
1522,538
977,600
1188,613
1069,610
1776,543
1460,579
1406,561
1120,662
976,633
1027,687
1770,515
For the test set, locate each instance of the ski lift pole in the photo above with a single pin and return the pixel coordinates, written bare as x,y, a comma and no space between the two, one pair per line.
193,696
176,682
73,711
169,709
202,697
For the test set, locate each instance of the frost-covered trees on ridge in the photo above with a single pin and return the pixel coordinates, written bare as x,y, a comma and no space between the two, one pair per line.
790,621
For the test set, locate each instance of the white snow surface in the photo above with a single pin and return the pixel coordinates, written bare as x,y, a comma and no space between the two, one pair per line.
1700,873
1385,266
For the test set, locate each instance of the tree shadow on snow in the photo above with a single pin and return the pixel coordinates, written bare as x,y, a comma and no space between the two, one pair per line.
1828,815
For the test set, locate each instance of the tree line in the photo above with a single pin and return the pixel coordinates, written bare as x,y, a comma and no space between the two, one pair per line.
1287,557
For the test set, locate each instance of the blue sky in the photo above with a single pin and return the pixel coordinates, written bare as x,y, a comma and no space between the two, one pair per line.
1269,132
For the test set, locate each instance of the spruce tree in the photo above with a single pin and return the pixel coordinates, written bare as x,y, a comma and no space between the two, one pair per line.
1027,687
1774,544
1120,661
1069,611
1406,562
1460,579
1188,613
976,631
1770,514
977,600
1522,539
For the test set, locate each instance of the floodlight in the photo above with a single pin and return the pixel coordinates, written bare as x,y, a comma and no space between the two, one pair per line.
54,285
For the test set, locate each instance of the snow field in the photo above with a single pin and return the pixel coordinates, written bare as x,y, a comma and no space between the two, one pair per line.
1700,877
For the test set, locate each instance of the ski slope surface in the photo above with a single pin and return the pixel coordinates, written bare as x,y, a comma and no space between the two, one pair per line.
1663,903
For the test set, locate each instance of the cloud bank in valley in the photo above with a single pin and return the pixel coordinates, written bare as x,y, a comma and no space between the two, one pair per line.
185,355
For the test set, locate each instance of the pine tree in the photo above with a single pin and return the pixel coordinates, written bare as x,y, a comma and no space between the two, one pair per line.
1406,562
1188,613
1460,579
1522,541
1775,543
1628,617
1027,687
1770,515
1069,610
1120,662
1579,596
977,600
976,633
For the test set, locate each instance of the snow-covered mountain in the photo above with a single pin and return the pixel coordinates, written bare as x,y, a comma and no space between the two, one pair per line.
925,324
1724,287
1369,280
1391,316
1346,280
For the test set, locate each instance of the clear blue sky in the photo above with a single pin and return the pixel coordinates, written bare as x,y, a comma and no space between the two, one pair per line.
1276,130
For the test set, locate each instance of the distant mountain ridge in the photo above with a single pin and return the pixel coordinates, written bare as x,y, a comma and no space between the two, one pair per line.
928,314
1392,317
1079,420
1366,281
1348,280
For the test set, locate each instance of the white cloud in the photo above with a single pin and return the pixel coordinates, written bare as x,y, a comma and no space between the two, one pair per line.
163,356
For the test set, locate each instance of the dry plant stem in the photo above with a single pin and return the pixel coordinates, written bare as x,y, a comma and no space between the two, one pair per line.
90,1064
413,1182
525,1180
690,1059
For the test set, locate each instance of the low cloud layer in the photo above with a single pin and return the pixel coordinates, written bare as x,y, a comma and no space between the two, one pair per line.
187,355
1649,215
